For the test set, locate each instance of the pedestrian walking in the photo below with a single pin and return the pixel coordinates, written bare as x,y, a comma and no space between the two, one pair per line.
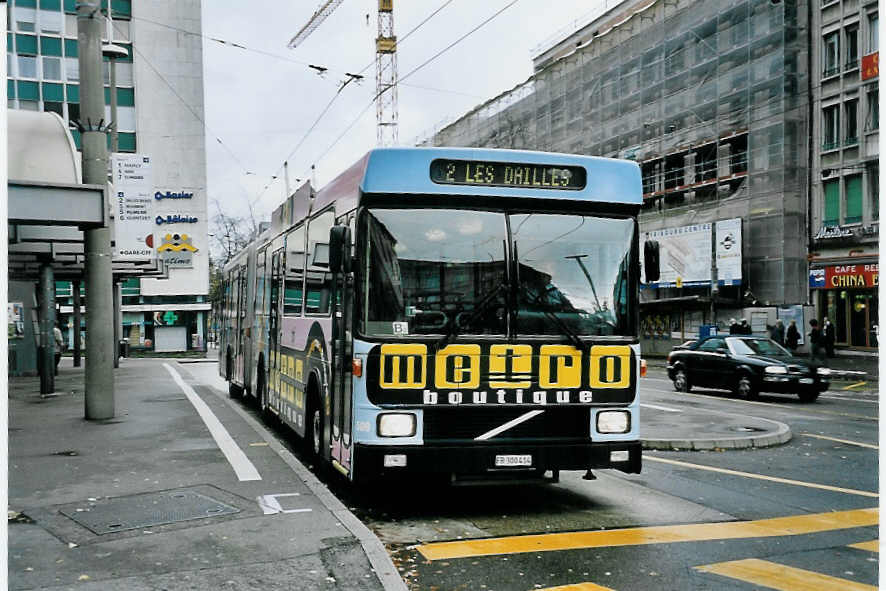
744,327
792,337
817,350
59,345
776,333
829,337
733,326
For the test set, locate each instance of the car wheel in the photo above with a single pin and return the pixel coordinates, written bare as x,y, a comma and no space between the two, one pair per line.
808,395
745,387
681,381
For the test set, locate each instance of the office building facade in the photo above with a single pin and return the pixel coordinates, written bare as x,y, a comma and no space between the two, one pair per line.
159,89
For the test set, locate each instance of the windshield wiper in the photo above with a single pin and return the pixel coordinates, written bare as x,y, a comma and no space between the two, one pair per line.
564,328
481,307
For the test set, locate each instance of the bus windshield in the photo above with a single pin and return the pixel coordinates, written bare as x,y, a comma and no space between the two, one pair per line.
445,271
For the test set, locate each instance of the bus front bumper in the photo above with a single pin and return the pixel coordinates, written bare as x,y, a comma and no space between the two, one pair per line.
490,459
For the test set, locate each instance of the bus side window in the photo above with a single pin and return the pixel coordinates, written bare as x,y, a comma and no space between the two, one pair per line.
318,278
295,272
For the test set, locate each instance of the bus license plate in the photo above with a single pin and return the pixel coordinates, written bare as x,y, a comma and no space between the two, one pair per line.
508,461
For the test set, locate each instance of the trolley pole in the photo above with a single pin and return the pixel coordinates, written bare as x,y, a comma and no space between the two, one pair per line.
100,344
715,283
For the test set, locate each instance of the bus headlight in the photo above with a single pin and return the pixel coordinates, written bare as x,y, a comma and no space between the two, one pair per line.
613,421
399,424
823,371
776,369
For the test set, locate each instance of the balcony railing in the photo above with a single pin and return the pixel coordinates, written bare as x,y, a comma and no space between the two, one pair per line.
829,71
856,219
851,64
827,146
851,141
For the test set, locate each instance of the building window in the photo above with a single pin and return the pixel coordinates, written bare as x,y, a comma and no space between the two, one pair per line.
52,68
850,108
830,127
831,54
873,33
72,69
121,30
73,112
124,73
51,22
55,107
28,105
872,118
70,25
27,66
853,199
874,189
851,48
25,19
831,203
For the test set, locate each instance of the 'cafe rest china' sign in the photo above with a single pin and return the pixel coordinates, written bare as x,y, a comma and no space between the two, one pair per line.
843,276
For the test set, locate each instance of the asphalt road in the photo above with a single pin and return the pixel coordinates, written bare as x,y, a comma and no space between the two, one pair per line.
784,517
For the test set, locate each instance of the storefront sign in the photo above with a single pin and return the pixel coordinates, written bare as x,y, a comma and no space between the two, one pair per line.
133,210
175,219
845,276
171,195
177,251
840,233
870,66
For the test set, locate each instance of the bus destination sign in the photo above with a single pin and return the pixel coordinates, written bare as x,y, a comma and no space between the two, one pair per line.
508,174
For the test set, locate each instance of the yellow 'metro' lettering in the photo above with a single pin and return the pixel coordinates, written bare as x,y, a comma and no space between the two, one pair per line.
403,366
458,366
610,366
510,361
559,366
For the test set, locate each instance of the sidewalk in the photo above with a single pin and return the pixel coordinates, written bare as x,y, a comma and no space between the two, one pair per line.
148,500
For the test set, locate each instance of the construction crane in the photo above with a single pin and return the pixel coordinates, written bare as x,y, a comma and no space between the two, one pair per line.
386,76
385,65
315,21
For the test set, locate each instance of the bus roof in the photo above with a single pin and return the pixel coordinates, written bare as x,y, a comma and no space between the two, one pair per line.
407,171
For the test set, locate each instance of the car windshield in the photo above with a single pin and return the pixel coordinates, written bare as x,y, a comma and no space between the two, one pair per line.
757,347
446,271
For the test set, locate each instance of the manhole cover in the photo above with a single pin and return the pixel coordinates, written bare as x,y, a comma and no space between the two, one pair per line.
146,510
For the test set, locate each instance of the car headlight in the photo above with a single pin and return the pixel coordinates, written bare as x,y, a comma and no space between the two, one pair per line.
776,369
613,421
399,424
824,371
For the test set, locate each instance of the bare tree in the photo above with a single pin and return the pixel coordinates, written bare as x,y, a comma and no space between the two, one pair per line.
230,234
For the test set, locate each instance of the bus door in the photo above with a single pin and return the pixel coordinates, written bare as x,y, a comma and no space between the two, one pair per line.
274,330
240,347
342,408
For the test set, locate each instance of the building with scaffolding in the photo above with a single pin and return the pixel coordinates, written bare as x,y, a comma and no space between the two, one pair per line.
712,100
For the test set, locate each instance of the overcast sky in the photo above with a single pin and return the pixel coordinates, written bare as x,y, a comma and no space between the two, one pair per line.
261,107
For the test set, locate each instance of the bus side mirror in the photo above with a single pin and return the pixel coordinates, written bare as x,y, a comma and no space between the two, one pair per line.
340,249
651,261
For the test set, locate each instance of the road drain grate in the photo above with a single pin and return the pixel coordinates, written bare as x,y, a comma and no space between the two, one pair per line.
146,510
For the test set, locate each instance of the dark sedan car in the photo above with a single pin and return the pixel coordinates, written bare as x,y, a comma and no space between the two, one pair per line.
746,365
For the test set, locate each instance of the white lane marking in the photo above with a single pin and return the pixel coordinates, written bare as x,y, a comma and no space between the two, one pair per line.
270,504
846,441
244,469
664,408
522,418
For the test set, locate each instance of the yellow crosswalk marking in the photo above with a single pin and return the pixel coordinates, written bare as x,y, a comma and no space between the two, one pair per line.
872,546
577,587
779,526
850,386
781,577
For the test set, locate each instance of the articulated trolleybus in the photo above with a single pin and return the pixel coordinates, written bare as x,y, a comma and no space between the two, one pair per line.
470,312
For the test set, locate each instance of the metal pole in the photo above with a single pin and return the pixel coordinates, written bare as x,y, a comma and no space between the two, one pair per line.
715,283
47,336
118,321
76,286
99,395
114,125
